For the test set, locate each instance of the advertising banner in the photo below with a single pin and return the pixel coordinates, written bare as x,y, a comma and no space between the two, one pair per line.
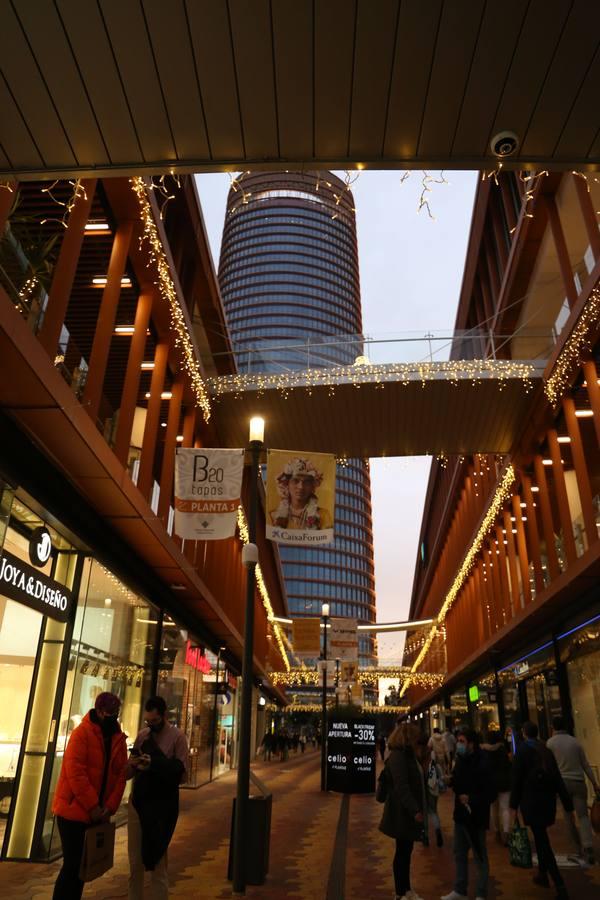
306,637
351,756
343,639
300,497
208,485
348,673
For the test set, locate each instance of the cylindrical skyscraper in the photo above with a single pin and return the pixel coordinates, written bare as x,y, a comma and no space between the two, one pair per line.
289,277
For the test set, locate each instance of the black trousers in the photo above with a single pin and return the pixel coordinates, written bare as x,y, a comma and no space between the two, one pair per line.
68,884
401,866
546,859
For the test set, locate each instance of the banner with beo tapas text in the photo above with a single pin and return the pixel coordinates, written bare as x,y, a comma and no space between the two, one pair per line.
208,485
300,497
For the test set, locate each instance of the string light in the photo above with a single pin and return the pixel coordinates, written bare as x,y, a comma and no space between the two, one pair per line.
77,192
168,292
262,588
368,676
454,371
578,342
502,494
160,188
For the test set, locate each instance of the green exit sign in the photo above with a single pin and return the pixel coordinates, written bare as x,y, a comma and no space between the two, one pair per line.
473,693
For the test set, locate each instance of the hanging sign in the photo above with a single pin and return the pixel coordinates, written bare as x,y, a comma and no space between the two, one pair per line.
351,756
21,582
348,673
208,485
306,637
40,546
343,639
300,497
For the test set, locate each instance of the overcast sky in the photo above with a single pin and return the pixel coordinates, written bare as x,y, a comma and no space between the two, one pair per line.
410,272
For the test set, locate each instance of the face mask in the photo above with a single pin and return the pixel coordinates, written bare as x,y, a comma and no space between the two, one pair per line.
461,749
156,727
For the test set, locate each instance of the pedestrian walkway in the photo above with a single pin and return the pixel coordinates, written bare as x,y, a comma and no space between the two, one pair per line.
323,847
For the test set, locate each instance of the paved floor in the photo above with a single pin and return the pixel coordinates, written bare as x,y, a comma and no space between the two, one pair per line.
323,847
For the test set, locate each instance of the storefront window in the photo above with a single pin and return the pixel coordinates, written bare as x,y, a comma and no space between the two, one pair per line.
112,650
530,691
580,651
459,711
32,662
184,682
484,705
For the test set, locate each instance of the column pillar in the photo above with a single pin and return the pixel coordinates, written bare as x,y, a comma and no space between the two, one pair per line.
512,564
588,213
159,372
106,319
168,460
532,531
133,374
581,471
189,426
547,520
562,252
561,496
593,390
522,546
504,585
63,275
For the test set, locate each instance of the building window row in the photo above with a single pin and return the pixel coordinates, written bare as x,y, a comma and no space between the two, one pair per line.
282,239
247,274
312,606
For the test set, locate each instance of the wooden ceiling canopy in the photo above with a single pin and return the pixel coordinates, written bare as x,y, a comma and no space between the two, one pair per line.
98,87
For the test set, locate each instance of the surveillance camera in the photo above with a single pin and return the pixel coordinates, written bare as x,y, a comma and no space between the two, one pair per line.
505,143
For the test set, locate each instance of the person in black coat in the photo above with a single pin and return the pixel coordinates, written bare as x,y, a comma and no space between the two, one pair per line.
500,766
535,783
474,792
404,811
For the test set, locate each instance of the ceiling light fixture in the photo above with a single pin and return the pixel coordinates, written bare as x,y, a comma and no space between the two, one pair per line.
101,281
97,227
584,413
147,366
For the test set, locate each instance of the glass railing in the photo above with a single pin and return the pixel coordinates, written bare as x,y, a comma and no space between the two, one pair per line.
285,355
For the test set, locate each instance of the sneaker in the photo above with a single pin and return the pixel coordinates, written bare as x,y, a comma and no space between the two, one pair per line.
454,895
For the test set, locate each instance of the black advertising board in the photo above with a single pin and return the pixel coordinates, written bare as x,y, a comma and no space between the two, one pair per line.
351,756
21,582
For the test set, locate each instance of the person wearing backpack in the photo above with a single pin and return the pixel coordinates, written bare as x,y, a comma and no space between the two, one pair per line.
536,780
401,785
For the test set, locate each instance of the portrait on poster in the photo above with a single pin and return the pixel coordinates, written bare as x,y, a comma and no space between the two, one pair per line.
300,497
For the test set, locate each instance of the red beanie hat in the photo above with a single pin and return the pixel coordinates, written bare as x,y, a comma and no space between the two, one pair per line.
107,703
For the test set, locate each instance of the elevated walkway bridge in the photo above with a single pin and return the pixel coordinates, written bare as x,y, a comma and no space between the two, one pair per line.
406,395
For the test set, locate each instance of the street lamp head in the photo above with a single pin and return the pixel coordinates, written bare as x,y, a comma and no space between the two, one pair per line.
325,609
257,429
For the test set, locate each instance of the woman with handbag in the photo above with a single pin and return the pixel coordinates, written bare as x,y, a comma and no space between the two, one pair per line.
90,787
405,805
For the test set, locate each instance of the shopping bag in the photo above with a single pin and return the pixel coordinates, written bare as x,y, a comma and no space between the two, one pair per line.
98,851
595,816
519,847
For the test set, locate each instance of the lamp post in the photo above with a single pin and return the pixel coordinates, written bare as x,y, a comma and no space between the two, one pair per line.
325,616
249,559
215,715
337,681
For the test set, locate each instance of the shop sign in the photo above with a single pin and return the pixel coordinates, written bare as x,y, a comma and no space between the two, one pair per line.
21,582
300,497
306,637
473,693
343,639
208,485
40,546
351,756
196,658
348,672
521,669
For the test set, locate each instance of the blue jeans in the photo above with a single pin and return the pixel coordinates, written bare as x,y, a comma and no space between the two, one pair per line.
465,840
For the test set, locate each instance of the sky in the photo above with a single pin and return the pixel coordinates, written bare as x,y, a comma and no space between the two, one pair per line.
411,270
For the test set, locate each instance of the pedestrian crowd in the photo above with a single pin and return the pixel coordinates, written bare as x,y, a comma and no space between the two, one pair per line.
277,745
494,783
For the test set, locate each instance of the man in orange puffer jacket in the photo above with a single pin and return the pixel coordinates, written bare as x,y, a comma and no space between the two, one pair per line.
90,786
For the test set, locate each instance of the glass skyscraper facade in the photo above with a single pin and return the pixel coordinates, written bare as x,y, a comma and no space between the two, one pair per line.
290,285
